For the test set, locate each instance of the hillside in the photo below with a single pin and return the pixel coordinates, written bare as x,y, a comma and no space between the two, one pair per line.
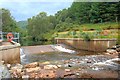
22,24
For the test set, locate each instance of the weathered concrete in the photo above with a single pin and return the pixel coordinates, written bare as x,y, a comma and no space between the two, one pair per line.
38,49
10,53
93,45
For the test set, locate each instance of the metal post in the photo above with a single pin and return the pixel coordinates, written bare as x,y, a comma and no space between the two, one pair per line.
1,37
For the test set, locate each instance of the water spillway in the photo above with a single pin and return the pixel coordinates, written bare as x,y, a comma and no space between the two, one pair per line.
59,55
98,45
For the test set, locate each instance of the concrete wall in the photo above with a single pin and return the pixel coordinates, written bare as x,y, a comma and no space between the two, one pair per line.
93,45
10,54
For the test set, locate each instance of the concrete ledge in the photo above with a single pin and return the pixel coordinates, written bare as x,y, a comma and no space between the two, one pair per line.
10,53
92,45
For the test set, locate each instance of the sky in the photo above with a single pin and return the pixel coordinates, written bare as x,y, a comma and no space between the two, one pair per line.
23,9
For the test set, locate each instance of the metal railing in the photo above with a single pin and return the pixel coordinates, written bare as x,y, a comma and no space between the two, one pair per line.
3,36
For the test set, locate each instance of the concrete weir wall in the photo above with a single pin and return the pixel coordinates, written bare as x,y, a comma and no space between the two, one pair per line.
10,53
93,45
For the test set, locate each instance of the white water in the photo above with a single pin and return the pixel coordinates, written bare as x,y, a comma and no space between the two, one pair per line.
23,56
63,49
107,64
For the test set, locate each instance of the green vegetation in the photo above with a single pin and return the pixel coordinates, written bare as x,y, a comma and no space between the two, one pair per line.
85,20
22,24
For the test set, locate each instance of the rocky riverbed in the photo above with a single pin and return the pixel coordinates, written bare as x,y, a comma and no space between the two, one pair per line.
105,65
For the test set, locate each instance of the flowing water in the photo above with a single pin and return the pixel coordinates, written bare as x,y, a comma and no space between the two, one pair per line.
81,59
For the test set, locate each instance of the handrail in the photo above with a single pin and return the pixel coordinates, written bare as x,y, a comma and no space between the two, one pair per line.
4,38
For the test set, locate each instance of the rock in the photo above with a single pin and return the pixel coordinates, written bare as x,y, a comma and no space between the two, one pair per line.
59,66
46,62
33,69
48,74
15,69
111,51
2,62
89,61
50,67
8,66
25,76
69,65
67,70
66,61
77,74
118,49
32,65
79,69
18,68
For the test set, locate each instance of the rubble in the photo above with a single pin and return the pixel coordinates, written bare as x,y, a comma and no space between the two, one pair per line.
70,68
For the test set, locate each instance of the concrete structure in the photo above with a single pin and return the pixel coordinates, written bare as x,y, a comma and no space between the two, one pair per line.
38,49
93,45
10,53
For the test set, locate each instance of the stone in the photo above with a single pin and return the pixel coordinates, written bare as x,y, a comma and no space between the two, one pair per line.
32,65
59,66
8,66
2,62
111,51
66,61
79,69
118,49
89,61
33,69
19,66
50,67
67,70
46,62
25,76
19,70
48,74
69,65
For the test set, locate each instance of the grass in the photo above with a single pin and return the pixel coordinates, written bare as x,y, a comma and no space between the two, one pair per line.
99,26
93,31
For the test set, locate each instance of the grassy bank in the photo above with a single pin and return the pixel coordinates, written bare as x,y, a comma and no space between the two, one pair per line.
90,31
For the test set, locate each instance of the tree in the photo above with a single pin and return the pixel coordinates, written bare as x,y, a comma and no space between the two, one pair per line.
8,23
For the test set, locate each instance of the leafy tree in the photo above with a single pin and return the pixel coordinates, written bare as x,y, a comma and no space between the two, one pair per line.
8,22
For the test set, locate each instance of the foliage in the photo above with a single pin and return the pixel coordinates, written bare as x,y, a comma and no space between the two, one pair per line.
80,16
8,22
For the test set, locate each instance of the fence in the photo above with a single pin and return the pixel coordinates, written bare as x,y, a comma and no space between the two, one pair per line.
3,36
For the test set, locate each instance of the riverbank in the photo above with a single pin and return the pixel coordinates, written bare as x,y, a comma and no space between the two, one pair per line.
105,65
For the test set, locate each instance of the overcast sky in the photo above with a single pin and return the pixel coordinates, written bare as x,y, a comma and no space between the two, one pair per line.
23,9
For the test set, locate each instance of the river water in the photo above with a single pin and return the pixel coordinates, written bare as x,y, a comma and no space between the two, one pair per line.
79,59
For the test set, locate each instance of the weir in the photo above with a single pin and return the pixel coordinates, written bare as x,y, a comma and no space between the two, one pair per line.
92,45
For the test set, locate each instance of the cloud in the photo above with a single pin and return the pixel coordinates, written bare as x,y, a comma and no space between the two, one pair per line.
36,0
23,10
